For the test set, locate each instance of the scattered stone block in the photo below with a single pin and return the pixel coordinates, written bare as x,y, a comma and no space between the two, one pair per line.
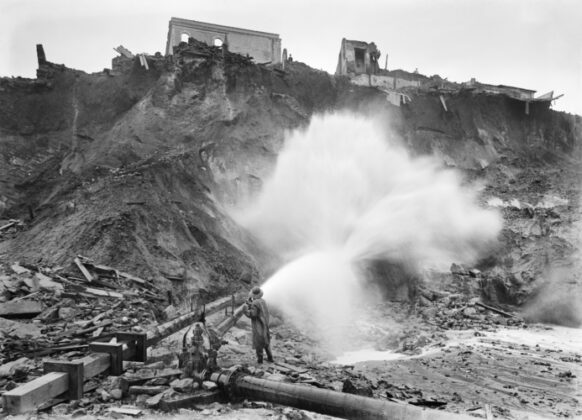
18,269
8,369
67,313
182,385
154,401
209,386
116,394
146,390
20,309
19,329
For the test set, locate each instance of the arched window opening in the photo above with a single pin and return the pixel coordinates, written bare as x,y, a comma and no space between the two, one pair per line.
218,42
184,37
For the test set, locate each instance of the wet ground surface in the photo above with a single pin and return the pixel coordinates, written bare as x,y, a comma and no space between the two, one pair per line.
529,371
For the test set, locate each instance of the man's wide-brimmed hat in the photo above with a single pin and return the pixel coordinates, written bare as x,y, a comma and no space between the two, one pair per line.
256,293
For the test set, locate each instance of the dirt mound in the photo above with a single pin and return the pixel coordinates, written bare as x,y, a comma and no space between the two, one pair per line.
139,168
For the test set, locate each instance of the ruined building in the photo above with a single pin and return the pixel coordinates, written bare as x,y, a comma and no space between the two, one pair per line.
359,61
264,47
357,57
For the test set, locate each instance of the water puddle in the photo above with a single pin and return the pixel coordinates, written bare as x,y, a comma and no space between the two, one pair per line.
563,338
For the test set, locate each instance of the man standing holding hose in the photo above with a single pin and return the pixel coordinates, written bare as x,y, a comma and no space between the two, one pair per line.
256,309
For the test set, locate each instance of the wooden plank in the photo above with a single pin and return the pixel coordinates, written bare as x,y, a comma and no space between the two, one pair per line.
32,394
90,329
85,272
189,401
132,278
10,224
126,411
20,309
291,367
102,293
492,309
51,350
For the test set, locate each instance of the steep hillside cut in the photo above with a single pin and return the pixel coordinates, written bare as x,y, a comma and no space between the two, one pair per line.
138,168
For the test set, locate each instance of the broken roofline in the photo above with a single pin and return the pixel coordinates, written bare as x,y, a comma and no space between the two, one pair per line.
213,27
356,43
473,82
518,88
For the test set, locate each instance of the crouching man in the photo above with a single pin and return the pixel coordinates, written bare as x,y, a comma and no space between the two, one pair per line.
256,309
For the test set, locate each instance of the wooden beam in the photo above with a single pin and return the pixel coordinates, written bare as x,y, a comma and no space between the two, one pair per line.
85,272
91,329
104,293
10,224
32,394
492,309
95,364
189,401
133,278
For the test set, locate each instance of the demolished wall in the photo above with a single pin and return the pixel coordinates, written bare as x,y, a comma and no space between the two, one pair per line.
263,47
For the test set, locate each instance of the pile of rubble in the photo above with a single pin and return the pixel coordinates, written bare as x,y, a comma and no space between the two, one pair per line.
46,311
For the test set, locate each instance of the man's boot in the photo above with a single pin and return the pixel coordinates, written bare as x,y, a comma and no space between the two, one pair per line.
260,356
269,354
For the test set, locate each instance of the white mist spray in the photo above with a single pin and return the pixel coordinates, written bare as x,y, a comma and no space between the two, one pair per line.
342,193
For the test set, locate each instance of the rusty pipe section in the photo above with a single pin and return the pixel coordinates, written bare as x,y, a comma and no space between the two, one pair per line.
162,331
236,383
229,322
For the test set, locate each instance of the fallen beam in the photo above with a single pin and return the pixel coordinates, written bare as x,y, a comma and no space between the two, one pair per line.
103,293
32,394
10,224
497,311
84,270
189,401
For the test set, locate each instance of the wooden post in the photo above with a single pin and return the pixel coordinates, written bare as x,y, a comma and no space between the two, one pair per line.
135,342
115,351
75,371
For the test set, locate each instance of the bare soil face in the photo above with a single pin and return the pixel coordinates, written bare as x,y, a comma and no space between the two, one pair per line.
140,169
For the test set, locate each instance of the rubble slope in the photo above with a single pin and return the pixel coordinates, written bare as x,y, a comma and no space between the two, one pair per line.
138,168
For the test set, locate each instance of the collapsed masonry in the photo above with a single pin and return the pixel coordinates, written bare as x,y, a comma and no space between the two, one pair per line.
359,60
264,47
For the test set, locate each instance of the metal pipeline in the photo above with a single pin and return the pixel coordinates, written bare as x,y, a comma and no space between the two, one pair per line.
236,383
229,322
162,331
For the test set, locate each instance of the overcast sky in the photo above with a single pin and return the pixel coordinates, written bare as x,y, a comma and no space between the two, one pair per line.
527,43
